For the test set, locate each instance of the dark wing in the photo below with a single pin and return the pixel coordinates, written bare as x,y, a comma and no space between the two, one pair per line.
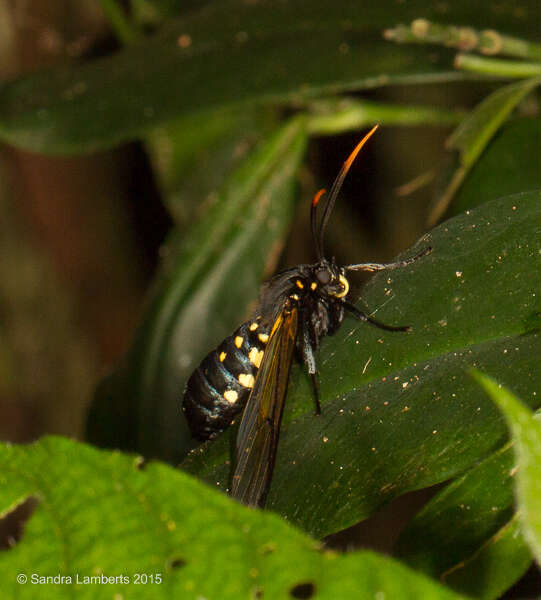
257,438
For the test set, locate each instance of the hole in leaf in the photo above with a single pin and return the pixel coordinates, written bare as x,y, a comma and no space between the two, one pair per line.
12,523
140,463
303,590
176,563
258,593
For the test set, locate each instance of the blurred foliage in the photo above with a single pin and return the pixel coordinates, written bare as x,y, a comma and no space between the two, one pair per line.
171,540
241,108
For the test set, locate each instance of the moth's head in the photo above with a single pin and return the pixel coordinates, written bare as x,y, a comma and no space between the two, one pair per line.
330,279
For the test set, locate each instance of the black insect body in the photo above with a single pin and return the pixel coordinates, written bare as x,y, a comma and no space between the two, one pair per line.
249,371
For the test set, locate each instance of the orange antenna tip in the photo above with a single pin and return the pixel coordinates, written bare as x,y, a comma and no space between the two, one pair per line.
317,197
358,147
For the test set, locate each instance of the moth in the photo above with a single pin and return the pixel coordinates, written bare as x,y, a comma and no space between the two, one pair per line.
249,371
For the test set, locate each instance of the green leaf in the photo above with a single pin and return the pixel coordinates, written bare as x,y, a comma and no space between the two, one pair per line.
509,165
465,532
234,53
471,137
339,115
526,433
482,574
399,411
193,156
208,280
107,514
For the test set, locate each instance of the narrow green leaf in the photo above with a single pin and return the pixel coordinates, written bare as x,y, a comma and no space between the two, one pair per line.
208,280
526,433
331,117
497,67
161,534
498,564
230,53
399,411
462,535
509,165
472,136
193,156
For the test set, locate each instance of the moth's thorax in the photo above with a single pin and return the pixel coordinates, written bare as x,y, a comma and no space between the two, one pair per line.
323,280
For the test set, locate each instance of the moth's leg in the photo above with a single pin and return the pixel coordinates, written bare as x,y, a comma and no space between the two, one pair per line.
372,267
309,359
358,314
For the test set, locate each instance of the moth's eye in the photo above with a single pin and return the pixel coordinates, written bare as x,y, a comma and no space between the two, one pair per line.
324,276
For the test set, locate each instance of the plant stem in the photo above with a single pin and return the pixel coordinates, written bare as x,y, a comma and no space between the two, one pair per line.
124,29
488,41
330,117
497,67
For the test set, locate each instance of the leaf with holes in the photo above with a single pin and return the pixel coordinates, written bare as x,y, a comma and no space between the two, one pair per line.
158,533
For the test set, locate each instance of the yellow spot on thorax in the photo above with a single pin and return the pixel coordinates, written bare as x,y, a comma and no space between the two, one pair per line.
247,380
263,337
255,356
222,356
313,285
238,341
299,284
231,396
254,326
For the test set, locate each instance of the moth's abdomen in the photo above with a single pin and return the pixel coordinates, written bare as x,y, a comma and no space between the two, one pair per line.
219,388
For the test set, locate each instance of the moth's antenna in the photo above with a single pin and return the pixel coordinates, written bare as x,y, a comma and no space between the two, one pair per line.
313,224
336,186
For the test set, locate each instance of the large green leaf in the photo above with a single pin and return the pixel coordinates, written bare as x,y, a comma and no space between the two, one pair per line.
462,533
235,52
526,432
207,282
103,514
399,411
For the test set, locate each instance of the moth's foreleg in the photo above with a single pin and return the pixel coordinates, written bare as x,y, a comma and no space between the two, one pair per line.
358,314
309,359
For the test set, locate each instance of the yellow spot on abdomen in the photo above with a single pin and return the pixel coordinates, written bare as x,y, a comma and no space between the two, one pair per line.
222,356
254,326
238,341
263,337
247,380
313,285
255,356
231,396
